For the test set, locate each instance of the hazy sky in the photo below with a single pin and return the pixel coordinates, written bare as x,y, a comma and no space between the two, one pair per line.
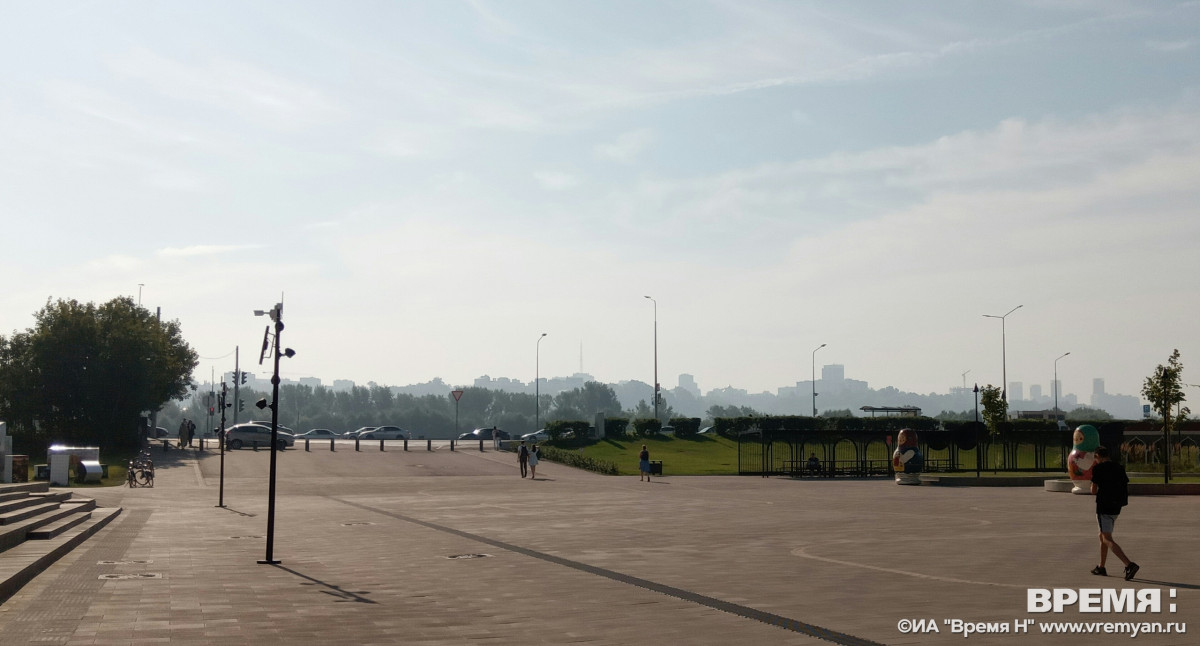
432,185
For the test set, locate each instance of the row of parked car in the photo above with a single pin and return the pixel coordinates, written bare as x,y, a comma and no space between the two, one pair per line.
256,434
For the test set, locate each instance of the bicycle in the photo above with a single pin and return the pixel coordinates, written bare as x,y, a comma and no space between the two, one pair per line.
141,471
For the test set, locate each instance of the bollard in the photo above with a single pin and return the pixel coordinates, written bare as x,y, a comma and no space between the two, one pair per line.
406,444
166,446
306,444
381,446
356,444
481,445
429,444
451,445
331,449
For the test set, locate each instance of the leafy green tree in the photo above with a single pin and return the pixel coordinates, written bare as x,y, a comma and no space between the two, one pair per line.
730,412
995,408
954,416
87,373
1164,388
1087,414
584,402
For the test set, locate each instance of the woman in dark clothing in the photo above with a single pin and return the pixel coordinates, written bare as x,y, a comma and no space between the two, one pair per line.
644,464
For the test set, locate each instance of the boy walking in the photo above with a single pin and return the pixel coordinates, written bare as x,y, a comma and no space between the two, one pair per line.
1110,484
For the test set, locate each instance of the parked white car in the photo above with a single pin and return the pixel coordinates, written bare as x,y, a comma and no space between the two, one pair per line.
253,435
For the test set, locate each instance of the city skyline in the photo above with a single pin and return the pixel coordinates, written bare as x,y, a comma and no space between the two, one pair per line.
430,186
1122,405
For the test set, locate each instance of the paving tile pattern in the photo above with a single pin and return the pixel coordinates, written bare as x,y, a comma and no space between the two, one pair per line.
366,540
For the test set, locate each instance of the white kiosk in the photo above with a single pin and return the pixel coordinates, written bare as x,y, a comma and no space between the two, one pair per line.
60,461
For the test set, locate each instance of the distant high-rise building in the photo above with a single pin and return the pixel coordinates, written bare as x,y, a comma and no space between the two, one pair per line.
1035,392
688,383
833,372
1098,386
1016,391
312,382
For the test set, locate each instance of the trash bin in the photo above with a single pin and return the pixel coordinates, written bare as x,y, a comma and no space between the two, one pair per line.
20,468
656,467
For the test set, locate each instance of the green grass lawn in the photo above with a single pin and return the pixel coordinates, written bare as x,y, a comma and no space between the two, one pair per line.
700,456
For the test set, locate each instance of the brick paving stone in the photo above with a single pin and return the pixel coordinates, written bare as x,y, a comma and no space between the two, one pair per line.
574,557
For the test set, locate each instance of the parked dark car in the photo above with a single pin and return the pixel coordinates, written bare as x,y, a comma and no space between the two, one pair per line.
318,434
484,434
350,435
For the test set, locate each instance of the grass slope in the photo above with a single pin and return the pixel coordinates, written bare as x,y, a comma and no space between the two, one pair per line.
700,455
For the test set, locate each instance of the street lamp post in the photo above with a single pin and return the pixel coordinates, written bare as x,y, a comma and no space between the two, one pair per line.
1056,388
1003,352
814,378
655,356
978,436
537,384
276,314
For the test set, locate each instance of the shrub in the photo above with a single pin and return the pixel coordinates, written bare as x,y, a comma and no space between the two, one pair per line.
685,426
616,427
568,428
577,460
647,427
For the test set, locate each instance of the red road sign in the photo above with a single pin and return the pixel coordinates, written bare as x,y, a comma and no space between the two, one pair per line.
457,394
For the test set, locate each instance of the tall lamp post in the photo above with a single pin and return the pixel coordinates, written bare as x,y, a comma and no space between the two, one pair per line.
1003,352
276,314
537,384
655,356
1056,388
978,435
814,378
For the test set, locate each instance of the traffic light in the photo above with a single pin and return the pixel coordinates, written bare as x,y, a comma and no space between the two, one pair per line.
241,405
211,410
243,377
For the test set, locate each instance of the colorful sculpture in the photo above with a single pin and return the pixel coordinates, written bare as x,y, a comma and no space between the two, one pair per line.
1083,457
907,461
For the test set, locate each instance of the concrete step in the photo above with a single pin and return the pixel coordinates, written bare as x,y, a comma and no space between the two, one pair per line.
51,530
19,565
14,534
31,499
29,511
30,487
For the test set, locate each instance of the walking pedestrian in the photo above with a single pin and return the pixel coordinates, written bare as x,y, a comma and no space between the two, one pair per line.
644,464
1110,484
182,433
533,462
191,432
523,458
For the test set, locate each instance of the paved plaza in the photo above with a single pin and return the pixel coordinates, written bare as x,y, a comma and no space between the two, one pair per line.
446,547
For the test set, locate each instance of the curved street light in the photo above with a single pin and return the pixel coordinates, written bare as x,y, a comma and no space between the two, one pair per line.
814,378
537,384
1003,352
1056,388
655,356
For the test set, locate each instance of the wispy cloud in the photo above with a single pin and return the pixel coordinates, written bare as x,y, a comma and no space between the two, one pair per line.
233,86
1170,45
203,250
555,180
627,146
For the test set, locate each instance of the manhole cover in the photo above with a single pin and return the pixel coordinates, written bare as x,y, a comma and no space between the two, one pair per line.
469,556
119,577
358,523
123,562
